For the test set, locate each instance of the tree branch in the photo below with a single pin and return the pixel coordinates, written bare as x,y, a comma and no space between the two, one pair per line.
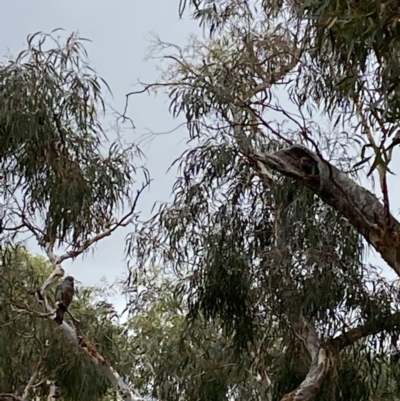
123,222
53,392
106,369
303,328
370,328
321,357
8,396
368,215
358,205
321,362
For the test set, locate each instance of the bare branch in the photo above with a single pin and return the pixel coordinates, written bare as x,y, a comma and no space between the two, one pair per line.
72,117
58,272
112,375
31,381
22,309
80,341
55,275
370,328
123,222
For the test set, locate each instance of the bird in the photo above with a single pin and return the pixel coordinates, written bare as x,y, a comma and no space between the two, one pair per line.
64,295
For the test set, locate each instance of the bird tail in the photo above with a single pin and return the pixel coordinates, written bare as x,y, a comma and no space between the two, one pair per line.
60,313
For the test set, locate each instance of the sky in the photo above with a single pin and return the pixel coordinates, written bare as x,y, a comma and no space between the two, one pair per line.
120,32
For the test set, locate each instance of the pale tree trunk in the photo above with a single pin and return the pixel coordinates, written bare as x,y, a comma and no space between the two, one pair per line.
54,391
367,214
359,206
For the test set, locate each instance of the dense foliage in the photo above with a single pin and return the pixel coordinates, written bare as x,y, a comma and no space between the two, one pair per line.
265,289
262,251
64,185
32,345
51,137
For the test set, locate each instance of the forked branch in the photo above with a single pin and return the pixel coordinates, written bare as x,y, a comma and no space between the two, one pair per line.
321,363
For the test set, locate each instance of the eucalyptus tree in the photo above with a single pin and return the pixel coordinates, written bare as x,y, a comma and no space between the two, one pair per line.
173,360
63,183
34,358
268,226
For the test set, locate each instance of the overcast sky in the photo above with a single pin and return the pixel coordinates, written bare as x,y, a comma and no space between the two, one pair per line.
120,33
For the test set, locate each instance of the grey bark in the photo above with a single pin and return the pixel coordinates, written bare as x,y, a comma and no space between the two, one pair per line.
358,205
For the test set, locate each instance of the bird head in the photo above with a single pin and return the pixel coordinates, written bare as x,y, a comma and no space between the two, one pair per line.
70,281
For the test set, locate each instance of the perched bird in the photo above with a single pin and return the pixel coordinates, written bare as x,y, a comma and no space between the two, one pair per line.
64,295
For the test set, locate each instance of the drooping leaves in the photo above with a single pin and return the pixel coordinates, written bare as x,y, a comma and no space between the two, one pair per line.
51,141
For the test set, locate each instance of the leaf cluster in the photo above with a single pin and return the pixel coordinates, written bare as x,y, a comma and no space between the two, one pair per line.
51,138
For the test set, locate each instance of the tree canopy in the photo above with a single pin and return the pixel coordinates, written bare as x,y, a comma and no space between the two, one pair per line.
33,352
253,282
268,218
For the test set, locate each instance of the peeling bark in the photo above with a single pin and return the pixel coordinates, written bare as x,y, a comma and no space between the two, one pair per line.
366,213
358,205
